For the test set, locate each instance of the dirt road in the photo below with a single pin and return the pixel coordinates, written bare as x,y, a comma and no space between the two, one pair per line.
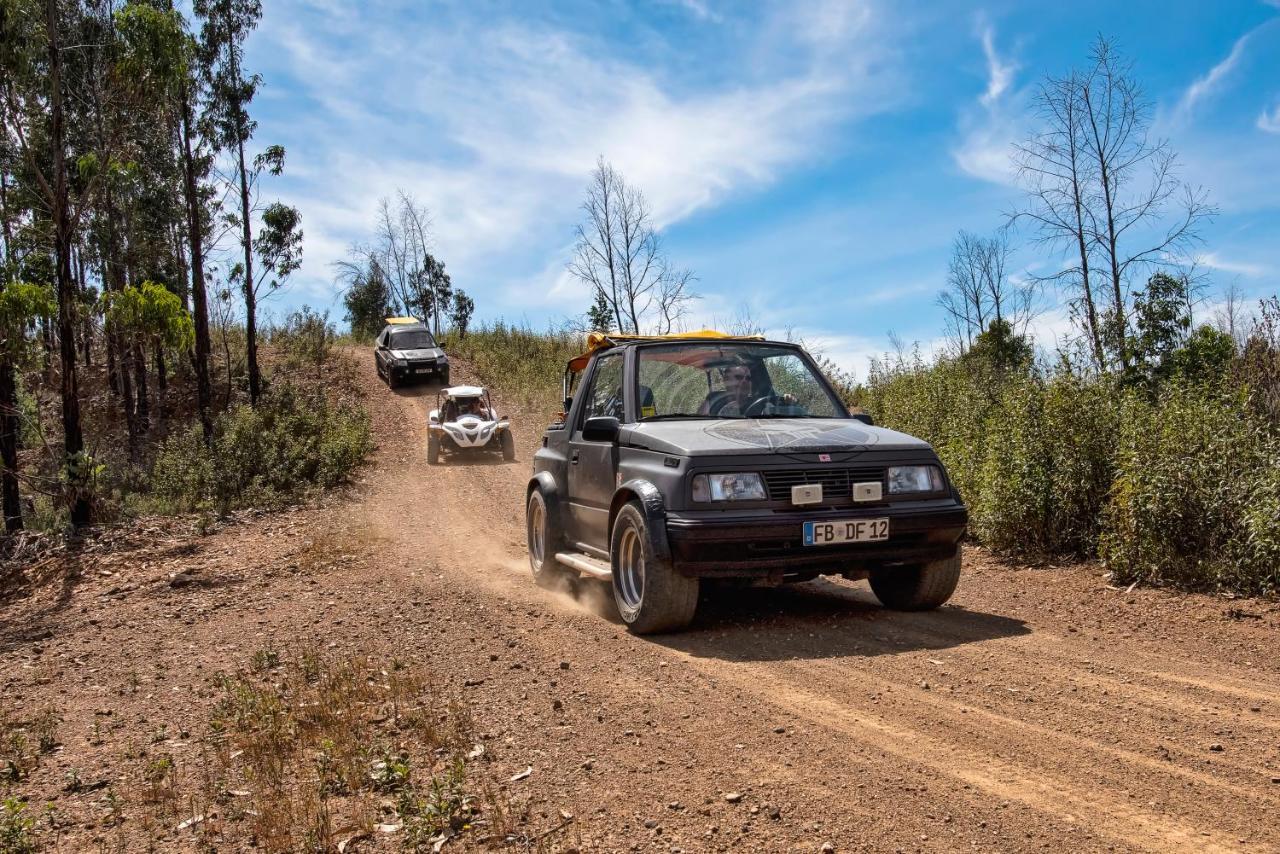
1040,710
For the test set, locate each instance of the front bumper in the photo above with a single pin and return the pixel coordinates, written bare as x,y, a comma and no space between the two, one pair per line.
760,544
420,371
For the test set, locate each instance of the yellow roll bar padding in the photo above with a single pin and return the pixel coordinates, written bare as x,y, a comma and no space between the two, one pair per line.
605,340
396,321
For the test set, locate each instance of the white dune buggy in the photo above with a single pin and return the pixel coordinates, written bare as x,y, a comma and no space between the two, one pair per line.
464,421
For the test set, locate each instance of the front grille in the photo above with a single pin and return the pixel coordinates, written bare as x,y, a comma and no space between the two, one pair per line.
837,483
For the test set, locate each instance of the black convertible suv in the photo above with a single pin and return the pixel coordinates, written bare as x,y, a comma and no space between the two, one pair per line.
703,455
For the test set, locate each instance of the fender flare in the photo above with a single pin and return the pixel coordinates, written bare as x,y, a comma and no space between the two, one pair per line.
546,484
654,508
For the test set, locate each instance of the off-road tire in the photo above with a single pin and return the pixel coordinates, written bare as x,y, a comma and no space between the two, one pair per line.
508,446
917,588
548,573
391,377
433,450
665,601
444,379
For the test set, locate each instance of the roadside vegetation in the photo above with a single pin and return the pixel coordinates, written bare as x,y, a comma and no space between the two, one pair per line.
137,247
1147,435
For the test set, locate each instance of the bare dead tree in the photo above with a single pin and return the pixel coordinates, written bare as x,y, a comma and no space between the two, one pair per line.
980,291
1232,316
618,254
1056,175
1097,182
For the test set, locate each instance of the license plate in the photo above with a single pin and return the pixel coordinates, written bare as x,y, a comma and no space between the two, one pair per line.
845,531
422,370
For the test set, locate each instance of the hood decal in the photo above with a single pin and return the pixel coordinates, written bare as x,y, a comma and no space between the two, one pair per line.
792,434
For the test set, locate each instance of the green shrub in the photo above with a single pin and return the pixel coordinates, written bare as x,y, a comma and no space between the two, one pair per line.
1196,501
293,442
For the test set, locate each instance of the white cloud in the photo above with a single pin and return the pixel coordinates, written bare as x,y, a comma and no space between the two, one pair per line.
1269,121
496,128
1206,85
991,127
1213,261
999,72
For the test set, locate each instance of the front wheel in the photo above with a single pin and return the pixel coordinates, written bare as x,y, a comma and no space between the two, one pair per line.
651,596
433,450
508,446
917,588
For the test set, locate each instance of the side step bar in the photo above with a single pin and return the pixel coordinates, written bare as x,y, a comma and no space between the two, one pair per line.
594,567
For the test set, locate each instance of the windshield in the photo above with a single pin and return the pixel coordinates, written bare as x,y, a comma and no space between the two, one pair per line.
712,380
412,339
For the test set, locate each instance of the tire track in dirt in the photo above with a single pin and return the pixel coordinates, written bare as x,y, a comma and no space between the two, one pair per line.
1072,761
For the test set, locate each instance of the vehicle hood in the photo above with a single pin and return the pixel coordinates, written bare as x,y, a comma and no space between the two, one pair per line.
414,355
728,436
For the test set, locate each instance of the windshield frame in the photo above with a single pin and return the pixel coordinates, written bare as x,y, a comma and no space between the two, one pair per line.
784,347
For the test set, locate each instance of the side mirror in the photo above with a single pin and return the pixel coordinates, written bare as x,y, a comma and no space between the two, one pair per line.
602,428
864,418
434,416
443,342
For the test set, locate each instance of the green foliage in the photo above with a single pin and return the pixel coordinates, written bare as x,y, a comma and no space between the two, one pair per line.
368,302
151,312
279,241
306,338
16,828
294,441
463,308
1171,480
1196,501
21,305
600,315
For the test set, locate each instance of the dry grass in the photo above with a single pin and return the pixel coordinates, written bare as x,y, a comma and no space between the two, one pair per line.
308,751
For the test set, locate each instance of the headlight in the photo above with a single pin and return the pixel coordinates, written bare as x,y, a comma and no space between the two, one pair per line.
914,479
443,360
742,486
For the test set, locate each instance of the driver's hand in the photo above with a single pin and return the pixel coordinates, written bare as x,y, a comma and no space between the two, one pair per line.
789,399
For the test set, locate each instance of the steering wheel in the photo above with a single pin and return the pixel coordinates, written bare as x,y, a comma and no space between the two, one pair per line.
761,402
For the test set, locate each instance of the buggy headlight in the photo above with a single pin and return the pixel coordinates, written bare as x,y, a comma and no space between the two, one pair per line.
741,486
914,479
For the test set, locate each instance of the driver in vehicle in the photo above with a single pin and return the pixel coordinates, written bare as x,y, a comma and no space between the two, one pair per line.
472,406
737,384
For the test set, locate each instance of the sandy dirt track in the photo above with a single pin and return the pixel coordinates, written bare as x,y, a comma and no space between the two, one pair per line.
1039,710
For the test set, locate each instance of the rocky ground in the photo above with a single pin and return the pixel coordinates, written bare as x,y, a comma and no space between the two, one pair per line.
1042,709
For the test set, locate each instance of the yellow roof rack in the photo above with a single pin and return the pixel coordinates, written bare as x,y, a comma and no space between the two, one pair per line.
605,340
398,321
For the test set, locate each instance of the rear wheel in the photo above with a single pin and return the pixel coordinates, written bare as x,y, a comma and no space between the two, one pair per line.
917,588
508,446
544,540
433,450
651,596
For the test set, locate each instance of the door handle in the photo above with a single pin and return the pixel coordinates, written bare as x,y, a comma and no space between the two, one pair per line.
574,458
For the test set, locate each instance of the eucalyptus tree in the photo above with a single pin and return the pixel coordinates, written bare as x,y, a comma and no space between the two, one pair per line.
21,304
227,23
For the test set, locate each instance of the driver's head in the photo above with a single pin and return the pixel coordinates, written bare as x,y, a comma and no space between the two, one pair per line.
737,379
471,406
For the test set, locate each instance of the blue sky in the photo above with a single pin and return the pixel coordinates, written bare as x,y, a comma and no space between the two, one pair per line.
811,161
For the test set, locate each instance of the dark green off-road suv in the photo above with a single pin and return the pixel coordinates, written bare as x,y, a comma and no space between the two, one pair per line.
707,456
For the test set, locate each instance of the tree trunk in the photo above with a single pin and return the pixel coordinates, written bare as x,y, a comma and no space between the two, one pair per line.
246,240
76,470
162,380
10,502
140,372
204,389
250,298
